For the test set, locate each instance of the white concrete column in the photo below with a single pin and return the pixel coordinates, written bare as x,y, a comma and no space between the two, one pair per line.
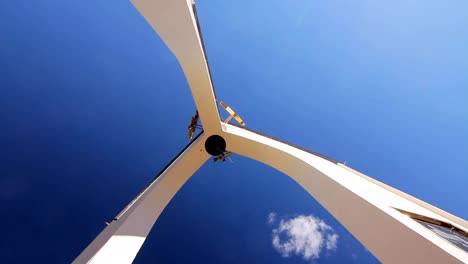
122,239
177,25
367,209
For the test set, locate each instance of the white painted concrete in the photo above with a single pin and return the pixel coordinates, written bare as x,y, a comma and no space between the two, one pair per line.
122,239
175,23
363,207
454,220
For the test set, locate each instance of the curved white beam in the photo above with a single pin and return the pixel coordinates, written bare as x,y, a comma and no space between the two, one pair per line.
176,24
121,240
366,209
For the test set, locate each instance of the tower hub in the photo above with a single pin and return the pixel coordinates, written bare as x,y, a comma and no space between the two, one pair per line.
215,145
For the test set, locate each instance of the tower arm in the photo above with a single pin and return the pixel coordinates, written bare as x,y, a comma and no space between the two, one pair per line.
121,240
176,22
369,211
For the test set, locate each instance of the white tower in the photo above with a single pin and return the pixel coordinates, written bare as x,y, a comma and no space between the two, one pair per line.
394,226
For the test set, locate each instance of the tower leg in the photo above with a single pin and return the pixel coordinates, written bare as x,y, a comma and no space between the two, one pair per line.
370,210
121,240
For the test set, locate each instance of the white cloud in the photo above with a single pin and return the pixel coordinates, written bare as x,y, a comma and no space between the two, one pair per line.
304,235
332,239
271,217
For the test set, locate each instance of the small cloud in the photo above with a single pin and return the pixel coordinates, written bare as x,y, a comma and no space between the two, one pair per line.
331,241
271,217
303,235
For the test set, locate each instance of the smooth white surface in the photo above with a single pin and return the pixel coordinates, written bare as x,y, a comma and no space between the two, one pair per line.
122,239
363,207
119,244
175,23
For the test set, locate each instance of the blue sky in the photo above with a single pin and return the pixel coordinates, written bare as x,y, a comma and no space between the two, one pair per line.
93,104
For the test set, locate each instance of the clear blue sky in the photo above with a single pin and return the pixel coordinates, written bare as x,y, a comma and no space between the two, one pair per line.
93,105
